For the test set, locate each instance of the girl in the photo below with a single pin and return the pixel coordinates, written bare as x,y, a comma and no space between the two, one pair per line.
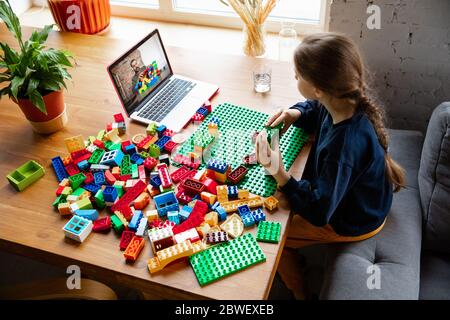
349,178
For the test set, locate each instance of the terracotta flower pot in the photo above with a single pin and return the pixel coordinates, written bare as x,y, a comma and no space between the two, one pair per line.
82,16
54,120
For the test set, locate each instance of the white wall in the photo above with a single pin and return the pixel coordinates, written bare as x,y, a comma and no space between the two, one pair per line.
20,6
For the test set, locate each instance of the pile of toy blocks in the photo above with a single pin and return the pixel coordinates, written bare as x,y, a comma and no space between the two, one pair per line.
181,213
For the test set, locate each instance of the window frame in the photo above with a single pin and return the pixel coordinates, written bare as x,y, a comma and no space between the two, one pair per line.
167,13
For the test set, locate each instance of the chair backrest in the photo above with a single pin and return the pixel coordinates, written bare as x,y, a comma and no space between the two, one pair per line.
434,181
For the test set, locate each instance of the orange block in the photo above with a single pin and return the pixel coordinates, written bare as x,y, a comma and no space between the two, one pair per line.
271,203
208,197
64,209
142,201
212,218
134,248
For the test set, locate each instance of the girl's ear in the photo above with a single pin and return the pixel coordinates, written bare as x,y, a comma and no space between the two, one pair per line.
318,93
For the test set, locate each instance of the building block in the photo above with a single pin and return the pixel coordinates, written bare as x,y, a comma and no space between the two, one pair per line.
210,186
169,255
150,163
162,142
118,117
99,167
216,237
233,225
78,228
191,235
64,209
196,217
131,150
134,248
136,159
89,178
179,174
74,144
99,178
112,158
243,210
130,195
25,175
192,186
151,215
232,192
212,218
258,215
160,130
141,201
154,150
67,160
151,129
271,203
173,216
72,169
109,177
203,111
221,213
90,214
59,168
99,199
163,171
208,197
142,227
186,161
81,204
134,222
125,239
160,238
185,212
222,193
96,156
169,146
269,231
252,202
117,224
243,194
164,158
248,220
103,224
224,259
203,229
237,175
166,202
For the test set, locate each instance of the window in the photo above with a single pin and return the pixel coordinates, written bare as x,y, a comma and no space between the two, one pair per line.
308,15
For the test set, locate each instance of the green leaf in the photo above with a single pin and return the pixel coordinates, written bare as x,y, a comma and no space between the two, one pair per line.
32,85
57,57
41,61
51,85
37,101
41,36
10,55
16,83
10,19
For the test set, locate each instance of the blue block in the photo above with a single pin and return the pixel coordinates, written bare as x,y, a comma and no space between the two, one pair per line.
203,111
258,215
166,202
93,188
83,165
59,168
90,214
160,130
130,149
110,194
232,192
99,178
155,181
248,220
162,142
173,216
215,205
134,223
112,158
243,210
185,212
217,165
221,213
215,120
137,159
76,225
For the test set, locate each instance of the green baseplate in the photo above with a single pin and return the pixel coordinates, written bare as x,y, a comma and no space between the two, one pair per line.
268,231
224,259
237,125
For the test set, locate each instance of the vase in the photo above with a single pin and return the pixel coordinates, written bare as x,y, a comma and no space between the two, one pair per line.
81,16
54,120
254,40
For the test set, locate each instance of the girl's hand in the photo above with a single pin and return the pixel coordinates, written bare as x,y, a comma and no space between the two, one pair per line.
270,157
287,117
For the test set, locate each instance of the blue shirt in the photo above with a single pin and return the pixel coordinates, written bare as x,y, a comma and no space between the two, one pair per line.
344,183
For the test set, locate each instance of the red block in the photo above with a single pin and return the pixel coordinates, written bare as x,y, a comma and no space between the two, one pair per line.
125,177
99,144
109,127
89,178
110,179
72,169
237,175
144,141
182,197
193,186
118,117
169,146
183,160
102,224
210,185
124,144
125,239
168,133
208,106
125,211
195,218
163,172
80,155
150,163
130,195
59,190
179,174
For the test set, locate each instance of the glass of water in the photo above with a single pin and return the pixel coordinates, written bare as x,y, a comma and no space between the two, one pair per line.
262,76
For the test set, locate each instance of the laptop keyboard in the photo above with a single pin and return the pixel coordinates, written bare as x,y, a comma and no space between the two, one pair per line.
166,100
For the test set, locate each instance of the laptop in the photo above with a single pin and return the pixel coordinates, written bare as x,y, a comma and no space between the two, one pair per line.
149,90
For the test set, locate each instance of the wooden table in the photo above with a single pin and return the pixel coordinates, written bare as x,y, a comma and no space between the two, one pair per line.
28,224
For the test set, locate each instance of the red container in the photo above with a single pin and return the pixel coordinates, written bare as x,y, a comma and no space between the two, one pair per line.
81,16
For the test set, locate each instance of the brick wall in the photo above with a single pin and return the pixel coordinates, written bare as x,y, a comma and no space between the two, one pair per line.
409,56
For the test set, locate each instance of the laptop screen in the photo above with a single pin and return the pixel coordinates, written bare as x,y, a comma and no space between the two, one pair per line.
140,71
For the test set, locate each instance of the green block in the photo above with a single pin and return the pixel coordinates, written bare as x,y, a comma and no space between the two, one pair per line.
84,204
58,200
224,259
235,141
78,191
76,180
151,129
25,175
162,190
144,154
115,146
96,156
119,191
99,200
66,191
125,166
100,134
271,131
154,151
108,144
116,224
203,139
134,171
91,139
268,231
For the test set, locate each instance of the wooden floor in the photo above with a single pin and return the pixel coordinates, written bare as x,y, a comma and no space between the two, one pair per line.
209,39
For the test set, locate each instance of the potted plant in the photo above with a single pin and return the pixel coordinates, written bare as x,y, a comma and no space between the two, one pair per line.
34,75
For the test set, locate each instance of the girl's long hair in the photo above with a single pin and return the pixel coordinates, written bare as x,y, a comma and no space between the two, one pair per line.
333,63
